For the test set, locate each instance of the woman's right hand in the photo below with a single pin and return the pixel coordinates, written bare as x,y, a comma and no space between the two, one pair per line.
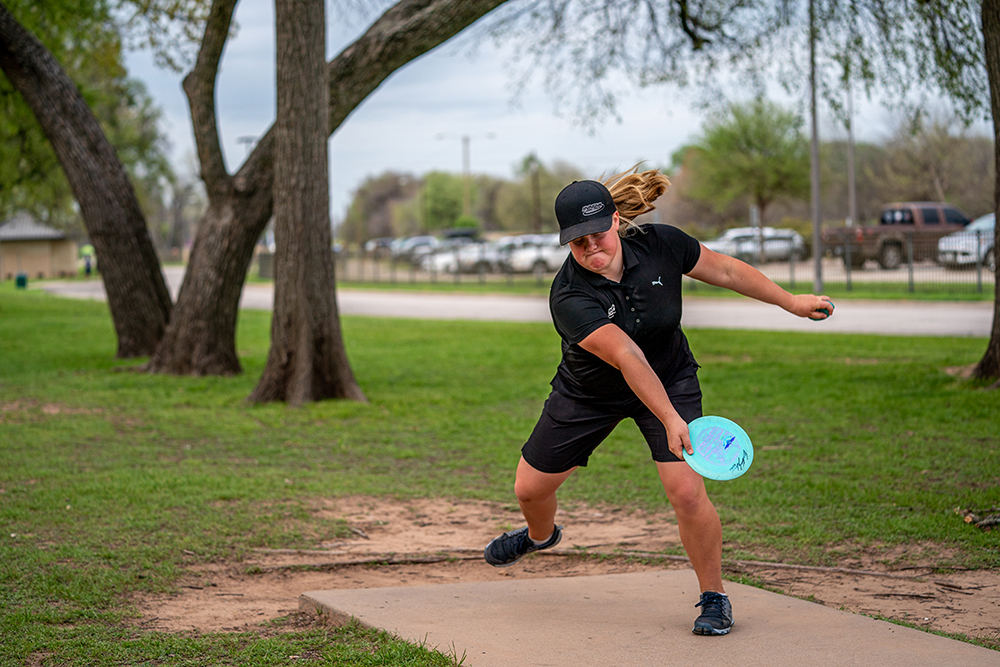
678,436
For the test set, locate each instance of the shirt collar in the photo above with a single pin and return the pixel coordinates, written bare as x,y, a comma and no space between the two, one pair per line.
629,258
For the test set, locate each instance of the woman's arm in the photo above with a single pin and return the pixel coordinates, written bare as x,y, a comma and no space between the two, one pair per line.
725,271
615,347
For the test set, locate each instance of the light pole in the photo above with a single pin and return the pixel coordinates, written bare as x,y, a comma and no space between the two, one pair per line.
466,168
248,143
536,195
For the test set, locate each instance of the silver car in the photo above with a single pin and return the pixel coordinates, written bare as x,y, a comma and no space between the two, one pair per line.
973,245
744,243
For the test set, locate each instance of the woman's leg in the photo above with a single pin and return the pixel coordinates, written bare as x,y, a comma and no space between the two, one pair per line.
697,520
536,494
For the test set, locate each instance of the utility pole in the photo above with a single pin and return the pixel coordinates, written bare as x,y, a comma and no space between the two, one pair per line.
466,169
814,170
536,196
466,178
852,193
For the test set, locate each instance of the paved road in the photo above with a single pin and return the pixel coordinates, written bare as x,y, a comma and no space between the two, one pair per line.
920,318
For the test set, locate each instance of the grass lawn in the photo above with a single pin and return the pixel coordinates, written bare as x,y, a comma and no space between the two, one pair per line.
108,475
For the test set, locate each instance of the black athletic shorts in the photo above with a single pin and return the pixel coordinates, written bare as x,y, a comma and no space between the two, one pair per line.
569,430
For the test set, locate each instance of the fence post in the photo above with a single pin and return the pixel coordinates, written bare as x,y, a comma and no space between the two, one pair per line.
540,275
979,261
848,262
909,258
791,266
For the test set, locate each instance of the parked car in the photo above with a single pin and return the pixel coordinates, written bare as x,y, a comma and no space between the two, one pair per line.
506,245
539,255
380,247
441,257
780,245
973,245
410,249
904,229
479,258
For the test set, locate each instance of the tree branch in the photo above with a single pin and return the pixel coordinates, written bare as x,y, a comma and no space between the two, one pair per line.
407,30
199,86
690,25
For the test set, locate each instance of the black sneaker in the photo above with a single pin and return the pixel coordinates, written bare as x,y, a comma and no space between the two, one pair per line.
514,545
716,615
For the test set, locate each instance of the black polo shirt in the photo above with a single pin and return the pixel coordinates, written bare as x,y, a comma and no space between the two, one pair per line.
646,305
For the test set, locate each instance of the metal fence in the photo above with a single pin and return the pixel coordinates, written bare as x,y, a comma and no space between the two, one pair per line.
458,265
966,264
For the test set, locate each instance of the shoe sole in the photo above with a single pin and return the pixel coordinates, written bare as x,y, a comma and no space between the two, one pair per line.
518,559
708,630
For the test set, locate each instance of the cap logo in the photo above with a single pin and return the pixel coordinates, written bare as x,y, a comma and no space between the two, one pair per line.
591,209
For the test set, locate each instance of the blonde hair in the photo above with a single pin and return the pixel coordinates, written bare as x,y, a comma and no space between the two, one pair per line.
634,193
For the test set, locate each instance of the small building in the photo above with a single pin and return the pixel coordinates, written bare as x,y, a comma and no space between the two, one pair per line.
35,250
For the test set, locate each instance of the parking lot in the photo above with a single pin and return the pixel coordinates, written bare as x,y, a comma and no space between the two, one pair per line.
796,275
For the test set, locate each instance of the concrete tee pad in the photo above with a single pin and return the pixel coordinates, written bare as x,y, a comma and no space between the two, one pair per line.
633,619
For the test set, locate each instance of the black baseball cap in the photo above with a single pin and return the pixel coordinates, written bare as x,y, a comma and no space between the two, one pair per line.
583,207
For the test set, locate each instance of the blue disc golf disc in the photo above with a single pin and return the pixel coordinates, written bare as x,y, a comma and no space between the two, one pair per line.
722,450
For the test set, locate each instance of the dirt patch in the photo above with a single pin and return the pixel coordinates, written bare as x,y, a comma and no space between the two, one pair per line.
429,541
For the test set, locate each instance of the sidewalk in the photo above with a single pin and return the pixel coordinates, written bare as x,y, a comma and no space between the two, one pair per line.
907,318
635,620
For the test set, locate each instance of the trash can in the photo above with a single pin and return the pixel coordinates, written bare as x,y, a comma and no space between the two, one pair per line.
21,281
265,265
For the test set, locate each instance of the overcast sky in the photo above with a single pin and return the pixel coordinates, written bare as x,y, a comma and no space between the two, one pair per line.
445,92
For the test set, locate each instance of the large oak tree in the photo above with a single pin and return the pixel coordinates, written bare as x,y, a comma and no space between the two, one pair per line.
201,337
307,361
137,292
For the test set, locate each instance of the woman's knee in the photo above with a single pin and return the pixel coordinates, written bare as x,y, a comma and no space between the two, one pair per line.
530,490
686,492
531,485
688,499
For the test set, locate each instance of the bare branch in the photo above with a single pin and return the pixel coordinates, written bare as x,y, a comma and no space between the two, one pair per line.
199,86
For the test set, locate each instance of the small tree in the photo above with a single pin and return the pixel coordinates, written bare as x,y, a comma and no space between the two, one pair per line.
441,200
755,151
373,203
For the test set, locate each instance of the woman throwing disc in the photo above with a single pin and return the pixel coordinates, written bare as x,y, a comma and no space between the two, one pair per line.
616,304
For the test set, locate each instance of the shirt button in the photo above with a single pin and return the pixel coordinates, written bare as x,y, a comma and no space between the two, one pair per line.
633,310
626,298
637,320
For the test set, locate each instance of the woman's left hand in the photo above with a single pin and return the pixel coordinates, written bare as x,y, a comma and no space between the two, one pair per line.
811,306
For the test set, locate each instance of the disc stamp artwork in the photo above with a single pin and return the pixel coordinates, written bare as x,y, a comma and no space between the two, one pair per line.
722,449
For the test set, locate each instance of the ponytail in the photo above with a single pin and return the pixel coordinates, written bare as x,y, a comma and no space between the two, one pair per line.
634,193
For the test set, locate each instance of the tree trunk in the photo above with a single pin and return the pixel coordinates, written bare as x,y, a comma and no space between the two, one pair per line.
201,336
989,366
137,292
307,360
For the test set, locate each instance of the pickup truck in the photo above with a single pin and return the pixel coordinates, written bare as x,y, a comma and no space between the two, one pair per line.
903,227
